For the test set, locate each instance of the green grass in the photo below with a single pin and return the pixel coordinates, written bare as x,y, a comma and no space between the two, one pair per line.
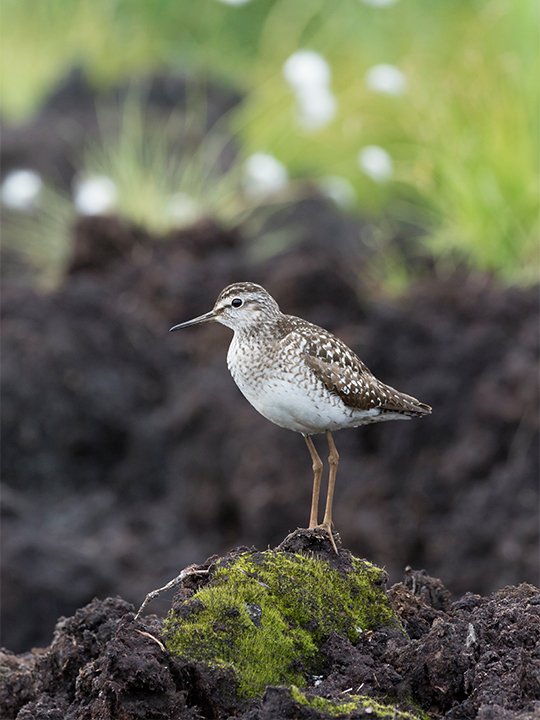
463,139
43,236
162,189
170,173
114,39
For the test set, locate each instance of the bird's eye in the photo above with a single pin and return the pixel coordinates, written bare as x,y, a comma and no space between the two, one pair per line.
237,302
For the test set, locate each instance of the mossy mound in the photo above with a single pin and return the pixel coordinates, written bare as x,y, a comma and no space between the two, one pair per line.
266,614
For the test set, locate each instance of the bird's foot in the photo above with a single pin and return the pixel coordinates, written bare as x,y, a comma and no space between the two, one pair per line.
327,527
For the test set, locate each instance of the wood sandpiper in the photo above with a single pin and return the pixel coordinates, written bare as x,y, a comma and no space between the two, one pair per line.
301,377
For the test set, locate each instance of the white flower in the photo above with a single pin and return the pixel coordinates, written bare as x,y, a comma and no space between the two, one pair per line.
306,69
234,2
316,108
376,163
380,3
339,190
21,189
387,79
264,175
95,194
309,75
183,209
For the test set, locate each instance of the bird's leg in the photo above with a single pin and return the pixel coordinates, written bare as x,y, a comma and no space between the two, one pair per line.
333,461
317,472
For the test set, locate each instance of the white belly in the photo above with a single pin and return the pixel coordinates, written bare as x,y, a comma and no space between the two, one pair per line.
297,401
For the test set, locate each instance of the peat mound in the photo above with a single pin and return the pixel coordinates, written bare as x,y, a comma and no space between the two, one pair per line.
472,658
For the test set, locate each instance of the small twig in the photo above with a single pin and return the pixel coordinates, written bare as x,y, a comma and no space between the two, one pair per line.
147,634
178,580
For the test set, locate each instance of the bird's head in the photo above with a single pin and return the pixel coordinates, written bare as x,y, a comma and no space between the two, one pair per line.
240,306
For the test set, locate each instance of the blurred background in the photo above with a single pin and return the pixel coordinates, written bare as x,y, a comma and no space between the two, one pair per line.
372,163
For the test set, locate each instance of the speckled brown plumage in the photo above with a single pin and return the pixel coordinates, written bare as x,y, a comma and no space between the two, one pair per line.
344,374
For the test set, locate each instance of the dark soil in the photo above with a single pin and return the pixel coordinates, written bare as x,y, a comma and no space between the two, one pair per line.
475,657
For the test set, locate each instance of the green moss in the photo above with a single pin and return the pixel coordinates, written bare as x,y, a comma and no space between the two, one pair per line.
380,711
329,707
266,614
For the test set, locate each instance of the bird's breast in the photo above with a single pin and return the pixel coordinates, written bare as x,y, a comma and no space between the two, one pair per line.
284,390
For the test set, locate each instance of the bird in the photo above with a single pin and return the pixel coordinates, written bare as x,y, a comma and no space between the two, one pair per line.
302,378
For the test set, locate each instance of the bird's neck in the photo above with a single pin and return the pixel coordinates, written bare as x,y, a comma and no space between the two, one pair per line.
265,330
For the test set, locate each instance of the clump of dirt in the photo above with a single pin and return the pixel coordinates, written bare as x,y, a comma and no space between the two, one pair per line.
103,665
473,658
483,652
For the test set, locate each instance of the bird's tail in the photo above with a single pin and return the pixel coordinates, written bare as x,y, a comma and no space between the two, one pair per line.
399,402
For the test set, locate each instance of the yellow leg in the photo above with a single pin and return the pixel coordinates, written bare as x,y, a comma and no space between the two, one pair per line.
317,472
333,461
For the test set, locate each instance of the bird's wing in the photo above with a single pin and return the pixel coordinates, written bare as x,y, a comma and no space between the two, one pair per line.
344,374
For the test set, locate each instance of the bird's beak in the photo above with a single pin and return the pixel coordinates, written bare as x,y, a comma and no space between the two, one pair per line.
201,319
